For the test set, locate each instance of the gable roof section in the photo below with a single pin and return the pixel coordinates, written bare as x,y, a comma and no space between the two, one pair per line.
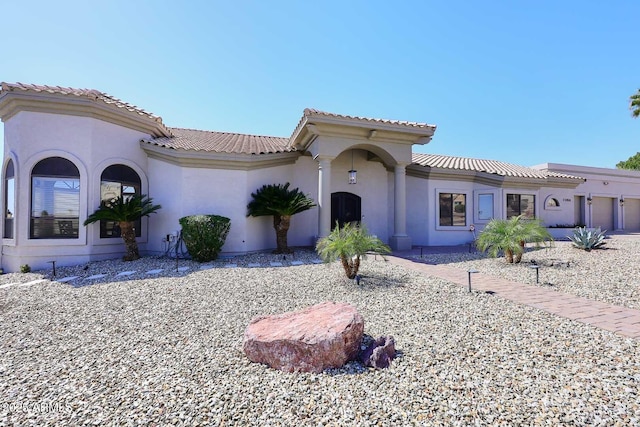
311,112
15,97
221,142
492,167
302,135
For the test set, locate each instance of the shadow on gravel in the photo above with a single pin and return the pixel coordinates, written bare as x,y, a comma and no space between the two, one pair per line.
380,281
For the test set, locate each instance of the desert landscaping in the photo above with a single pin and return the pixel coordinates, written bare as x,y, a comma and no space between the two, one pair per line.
166,347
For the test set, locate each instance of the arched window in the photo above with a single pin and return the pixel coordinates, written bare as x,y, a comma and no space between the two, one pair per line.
55,199
118,181
9,200
552,203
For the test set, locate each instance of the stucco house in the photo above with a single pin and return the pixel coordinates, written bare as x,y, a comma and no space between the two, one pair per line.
67,149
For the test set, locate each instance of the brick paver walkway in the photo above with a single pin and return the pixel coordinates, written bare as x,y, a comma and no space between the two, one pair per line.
621,320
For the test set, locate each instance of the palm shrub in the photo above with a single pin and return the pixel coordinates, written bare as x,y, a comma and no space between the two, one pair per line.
125,211
204,235
585,239
349,243
509,236
278,201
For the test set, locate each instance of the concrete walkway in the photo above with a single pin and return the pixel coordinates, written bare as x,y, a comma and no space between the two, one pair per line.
621,320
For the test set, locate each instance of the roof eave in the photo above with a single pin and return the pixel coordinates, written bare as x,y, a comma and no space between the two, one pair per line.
12,103
312,126
493,179
215,160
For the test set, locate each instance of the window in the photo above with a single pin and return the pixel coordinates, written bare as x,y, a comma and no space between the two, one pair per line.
55,199
485,207
552,203
118,181
521,204
9,200
453,209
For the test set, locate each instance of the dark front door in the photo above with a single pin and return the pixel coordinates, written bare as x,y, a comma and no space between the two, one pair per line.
345,207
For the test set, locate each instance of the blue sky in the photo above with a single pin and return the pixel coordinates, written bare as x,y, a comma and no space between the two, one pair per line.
526,82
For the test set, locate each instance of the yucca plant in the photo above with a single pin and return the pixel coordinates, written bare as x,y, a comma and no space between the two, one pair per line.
509,236
586,239
125,211
350,243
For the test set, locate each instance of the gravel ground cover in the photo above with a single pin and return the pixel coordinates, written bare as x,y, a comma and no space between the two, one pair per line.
609,275
166,350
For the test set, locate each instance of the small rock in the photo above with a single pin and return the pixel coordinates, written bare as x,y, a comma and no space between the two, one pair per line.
379,353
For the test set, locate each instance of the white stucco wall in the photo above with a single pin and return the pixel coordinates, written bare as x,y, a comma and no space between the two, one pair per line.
186,191
604,183
372,186
423,210
91,145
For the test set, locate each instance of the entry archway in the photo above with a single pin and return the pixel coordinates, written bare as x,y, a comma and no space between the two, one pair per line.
345,207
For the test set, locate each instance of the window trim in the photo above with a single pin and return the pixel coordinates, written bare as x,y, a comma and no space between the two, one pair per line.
74,237
5,201
439,227
558,207
93,200
137,186
520,194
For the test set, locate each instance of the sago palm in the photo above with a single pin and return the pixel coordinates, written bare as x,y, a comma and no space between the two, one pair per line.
510,236
125,211
349,243
278,201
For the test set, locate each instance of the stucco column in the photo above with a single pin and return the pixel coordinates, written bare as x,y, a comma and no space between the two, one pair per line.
400,241
324,196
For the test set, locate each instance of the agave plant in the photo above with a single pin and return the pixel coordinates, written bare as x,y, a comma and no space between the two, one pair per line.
586,239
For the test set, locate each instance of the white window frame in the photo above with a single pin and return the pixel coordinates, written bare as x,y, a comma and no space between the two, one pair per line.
467,218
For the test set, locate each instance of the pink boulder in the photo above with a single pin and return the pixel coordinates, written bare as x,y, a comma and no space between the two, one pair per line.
326,335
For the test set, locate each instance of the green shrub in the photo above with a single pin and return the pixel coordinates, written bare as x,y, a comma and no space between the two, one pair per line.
586,239
25,268
204,235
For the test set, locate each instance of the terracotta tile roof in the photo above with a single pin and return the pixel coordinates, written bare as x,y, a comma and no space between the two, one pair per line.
87,93
488,166
222,142
310,112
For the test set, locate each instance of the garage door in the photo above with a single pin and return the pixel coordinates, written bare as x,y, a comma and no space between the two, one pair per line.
602,213
632,214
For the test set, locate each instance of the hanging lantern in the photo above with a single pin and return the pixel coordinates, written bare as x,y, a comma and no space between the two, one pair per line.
352,172
352,176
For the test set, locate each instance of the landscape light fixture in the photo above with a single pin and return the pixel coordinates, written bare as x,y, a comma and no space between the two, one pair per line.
470,273
537,268
352,172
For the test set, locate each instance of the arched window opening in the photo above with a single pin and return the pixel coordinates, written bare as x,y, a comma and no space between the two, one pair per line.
118,181
552,203
9,200
55,199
